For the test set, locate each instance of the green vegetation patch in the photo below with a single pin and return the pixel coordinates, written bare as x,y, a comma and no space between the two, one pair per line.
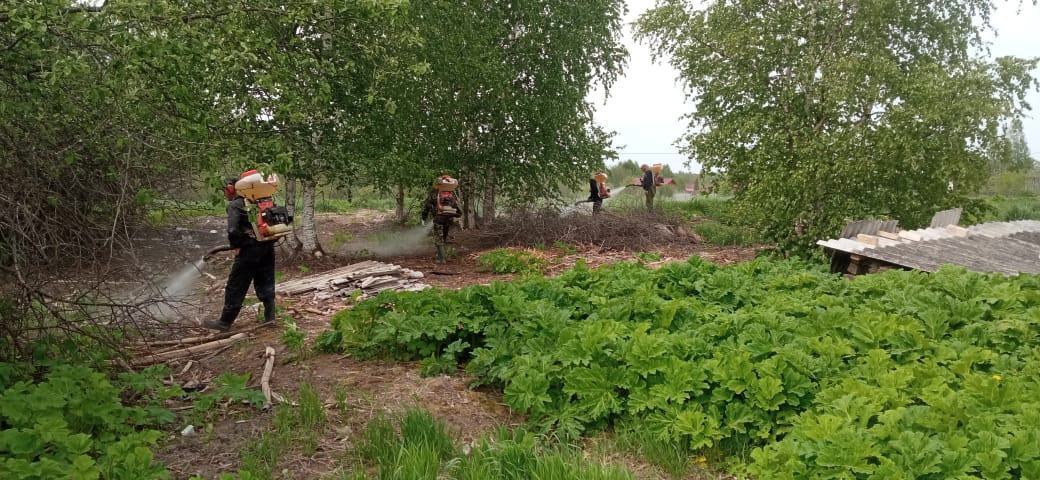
895,375
508,260
419,447
72,423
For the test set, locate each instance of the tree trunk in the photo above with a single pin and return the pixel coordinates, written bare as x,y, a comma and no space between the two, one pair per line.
350,195
466,194
307,235
399,211
290,195
489,201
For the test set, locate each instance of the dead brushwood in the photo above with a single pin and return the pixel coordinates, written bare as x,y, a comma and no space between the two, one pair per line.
633,232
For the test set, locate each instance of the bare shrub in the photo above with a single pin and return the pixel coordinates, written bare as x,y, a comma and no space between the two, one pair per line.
636,231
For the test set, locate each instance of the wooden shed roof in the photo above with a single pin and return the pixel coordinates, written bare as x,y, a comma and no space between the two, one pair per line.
1002,247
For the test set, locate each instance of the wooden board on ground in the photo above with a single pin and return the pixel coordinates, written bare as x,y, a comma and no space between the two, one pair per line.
369,277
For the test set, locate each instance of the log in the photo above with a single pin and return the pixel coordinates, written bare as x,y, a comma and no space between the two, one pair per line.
189,351
265,380
195,340
188,340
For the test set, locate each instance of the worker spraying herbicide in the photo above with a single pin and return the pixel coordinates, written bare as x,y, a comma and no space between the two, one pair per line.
598,191
443,207
255,242
649,183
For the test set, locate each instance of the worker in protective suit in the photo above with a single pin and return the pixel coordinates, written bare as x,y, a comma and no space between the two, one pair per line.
443,208
598,191
649,184
254,264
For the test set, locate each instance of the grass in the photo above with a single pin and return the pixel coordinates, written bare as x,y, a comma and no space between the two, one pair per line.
162,212
710,215
565,247
419,447
293,338
699,207
1022,207
712,219
718,233
675,459
339,393
648,257
507,260
294,427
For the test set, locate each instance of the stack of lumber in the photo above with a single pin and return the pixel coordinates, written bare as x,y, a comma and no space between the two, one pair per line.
369,277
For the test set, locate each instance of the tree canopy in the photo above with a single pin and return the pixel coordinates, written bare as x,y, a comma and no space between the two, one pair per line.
106,103
821,111
503,103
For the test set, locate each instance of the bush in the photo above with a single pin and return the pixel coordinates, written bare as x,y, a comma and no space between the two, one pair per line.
895,375
505,260
1012,183
72,424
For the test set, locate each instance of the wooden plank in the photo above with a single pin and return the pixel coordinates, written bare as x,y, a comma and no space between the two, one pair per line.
888,235
870,240
322,280
376,281
957,231
912,235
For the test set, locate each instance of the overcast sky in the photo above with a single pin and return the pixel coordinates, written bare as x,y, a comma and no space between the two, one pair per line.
646,105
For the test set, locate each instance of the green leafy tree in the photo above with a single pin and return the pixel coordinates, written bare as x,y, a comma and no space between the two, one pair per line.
503,105
820,111
1021,160
303,82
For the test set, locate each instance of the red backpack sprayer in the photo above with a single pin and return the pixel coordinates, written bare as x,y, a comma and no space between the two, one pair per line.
272,221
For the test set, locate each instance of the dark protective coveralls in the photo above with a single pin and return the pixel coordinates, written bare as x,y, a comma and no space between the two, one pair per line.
650,186
442,221
595,196
253,264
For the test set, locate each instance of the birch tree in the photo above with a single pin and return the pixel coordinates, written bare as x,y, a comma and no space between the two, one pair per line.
825,110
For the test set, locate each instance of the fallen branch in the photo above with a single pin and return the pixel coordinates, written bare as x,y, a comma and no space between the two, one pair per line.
200,339
265,380
187,352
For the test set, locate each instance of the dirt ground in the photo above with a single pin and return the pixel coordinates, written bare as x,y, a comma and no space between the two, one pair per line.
372,387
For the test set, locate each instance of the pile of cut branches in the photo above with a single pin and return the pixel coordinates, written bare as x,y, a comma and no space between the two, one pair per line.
636,232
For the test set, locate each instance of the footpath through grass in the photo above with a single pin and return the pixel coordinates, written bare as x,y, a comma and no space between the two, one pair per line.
777,369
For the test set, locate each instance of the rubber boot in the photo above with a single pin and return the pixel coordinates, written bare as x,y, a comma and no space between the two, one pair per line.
269,311
440,254
216,325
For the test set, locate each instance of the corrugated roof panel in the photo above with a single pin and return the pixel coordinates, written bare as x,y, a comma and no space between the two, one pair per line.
1001,247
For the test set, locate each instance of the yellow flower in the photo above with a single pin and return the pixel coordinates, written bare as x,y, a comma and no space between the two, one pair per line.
700,460
998,378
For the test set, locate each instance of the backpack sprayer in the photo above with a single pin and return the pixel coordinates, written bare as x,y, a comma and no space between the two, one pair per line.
445,186
272,221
